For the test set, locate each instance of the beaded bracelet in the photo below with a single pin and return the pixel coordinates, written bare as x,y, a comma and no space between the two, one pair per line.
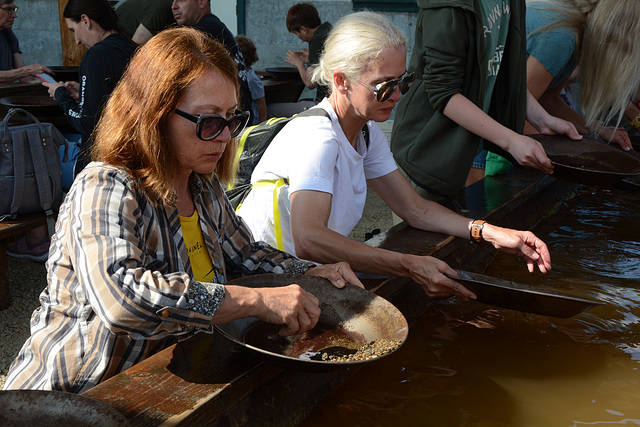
636,122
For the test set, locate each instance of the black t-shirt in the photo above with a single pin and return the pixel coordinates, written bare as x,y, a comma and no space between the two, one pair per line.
155,15
8,46
316,47
100,69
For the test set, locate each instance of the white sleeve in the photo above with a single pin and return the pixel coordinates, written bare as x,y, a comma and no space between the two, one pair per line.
314,158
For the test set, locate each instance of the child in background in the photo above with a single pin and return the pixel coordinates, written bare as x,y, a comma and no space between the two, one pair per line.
259,104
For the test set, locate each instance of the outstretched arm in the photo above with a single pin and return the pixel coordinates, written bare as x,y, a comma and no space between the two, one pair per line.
525,150
314,241
538,81
420,213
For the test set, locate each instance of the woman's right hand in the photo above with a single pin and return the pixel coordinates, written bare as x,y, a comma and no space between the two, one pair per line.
52,87
74,89
530,153
429,272
292,306
616,135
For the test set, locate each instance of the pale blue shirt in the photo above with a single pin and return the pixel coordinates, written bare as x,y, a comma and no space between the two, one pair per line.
553,48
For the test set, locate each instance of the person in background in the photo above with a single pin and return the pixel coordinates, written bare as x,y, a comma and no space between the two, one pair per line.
259,102
319,186
304,21
599,39
142,19
12,66
95,25
146,238
470,61
197,13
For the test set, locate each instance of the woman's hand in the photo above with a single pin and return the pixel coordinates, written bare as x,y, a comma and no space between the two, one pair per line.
339,274
296,308
52,87
523,243
616,135
74,89
292,306
529,152
429,272
547,124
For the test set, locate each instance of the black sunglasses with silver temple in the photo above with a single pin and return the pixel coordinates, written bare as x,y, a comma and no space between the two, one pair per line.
384,90
208,126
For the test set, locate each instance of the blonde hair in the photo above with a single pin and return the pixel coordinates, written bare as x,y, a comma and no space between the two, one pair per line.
355,40
607,52
131,130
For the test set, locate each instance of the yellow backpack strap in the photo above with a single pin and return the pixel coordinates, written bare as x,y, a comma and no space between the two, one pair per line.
276,184
244,136
276,213
241,142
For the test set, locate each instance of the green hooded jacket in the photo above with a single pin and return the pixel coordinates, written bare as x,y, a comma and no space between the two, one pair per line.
448,58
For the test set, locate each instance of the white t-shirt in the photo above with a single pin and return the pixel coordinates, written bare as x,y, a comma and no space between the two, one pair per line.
313,153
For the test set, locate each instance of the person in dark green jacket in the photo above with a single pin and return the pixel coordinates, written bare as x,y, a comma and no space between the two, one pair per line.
471,60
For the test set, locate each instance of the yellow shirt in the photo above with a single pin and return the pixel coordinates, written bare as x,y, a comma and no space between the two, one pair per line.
198,254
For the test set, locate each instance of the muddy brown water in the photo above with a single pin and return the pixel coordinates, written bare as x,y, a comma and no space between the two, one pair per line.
469,364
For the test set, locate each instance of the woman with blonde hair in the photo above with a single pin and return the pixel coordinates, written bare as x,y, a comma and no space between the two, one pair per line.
146,238
317,168
599,39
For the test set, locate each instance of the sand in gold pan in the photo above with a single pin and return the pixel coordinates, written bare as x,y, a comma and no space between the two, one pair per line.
323,343
369,351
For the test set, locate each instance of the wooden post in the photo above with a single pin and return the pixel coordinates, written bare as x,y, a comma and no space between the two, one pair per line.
71,52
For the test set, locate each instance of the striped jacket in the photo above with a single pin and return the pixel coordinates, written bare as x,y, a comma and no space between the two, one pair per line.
119,280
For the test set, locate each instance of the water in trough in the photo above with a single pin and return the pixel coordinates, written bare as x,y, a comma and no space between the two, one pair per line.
469,364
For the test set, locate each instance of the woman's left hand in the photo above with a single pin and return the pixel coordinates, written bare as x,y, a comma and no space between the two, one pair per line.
523,243
339,274
616,135
52,87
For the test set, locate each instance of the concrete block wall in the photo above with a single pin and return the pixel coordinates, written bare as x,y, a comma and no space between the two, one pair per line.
38,32
266,26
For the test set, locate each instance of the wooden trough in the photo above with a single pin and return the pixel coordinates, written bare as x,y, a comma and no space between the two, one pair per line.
207,380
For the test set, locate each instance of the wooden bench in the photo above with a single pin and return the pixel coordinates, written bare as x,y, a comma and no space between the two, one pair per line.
9,229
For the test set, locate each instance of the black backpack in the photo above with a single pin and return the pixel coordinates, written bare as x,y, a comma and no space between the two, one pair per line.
252,144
